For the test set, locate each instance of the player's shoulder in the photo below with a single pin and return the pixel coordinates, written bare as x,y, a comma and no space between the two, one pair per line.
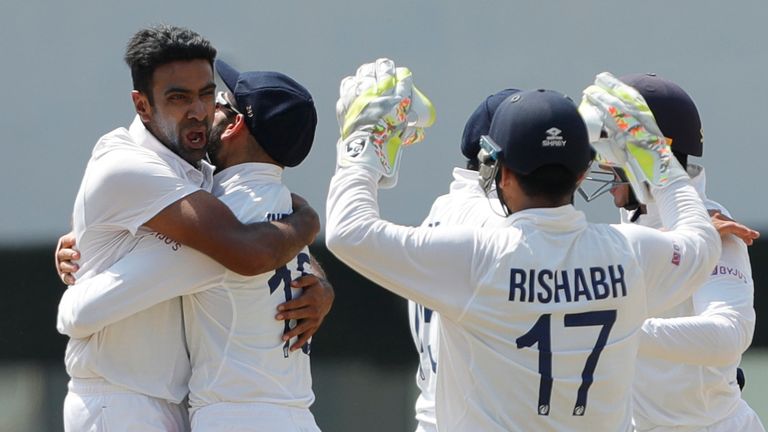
711,204
733,248
117,140
117,152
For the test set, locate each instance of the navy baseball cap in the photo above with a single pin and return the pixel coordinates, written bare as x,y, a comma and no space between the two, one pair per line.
479,122
673,109
534,128
278,111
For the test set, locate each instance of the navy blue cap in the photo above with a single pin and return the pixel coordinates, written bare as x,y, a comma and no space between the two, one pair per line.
278,111
479,123
673,109
541,127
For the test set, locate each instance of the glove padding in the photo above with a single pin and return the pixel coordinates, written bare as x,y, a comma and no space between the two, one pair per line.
634,141
379,111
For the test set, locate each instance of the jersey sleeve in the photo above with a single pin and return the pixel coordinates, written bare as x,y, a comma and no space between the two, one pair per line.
156,270
677,261
124,189
724,320
430,266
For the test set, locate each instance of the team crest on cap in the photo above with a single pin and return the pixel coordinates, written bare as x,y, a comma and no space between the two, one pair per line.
553,138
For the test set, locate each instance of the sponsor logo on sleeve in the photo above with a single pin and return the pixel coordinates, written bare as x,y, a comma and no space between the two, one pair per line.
729,272
675,254
173,244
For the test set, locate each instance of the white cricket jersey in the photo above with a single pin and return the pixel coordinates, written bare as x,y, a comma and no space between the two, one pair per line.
234,341
464,204
686,369
130,178
539,319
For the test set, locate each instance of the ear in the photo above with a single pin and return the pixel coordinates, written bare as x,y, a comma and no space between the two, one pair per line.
235,128
582,176
142,105
507,177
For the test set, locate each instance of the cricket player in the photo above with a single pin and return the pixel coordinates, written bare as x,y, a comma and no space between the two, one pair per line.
465,204
151,180
539,319
244,376
686,369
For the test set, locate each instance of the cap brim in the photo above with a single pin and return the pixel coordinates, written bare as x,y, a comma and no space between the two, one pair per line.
228,74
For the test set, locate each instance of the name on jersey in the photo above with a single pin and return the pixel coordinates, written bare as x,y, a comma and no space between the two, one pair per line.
275,216
565,286
168,241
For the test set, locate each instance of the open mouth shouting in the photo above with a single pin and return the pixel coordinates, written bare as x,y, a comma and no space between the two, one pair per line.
196,138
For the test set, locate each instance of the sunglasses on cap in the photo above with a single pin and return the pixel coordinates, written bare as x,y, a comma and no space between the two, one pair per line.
223,99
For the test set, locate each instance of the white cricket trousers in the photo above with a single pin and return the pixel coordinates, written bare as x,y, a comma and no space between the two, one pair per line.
426,427
94,405
252,417
742,419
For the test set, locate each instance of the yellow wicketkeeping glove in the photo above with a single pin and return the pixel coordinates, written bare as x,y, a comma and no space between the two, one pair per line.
633,140
379,112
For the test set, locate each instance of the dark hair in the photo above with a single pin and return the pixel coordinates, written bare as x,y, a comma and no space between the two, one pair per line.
553,182
157,45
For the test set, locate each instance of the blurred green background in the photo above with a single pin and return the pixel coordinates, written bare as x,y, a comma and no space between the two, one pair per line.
363,359
66,85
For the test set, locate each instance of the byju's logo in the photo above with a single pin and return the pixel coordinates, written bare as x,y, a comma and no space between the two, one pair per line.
553,138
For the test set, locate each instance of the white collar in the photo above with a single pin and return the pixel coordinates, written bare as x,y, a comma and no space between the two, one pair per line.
464,179
563,218
246,173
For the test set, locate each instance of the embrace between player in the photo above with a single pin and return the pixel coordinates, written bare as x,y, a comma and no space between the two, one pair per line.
539,299
151,323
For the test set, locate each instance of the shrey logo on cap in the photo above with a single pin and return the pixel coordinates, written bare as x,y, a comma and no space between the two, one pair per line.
553,138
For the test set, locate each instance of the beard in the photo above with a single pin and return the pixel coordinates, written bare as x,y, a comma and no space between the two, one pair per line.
172,136
215,145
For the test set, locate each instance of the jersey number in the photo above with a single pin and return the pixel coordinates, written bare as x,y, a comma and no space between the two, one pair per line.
282,277
539,335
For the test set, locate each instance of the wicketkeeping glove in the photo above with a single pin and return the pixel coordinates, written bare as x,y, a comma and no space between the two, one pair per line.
634,141
379,111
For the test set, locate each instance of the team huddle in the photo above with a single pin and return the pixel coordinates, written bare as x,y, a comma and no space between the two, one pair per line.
194,296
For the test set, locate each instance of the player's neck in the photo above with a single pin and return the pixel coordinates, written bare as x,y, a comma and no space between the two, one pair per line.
537,202
517,200
248,152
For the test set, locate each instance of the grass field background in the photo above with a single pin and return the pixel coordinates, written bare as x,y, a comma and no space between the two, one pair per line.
755,365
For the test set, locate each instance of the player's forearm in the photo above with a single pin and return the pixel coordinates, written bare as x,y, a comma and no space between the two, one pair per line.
77,318
204,223
711,340
681,210
698,243
152,273
268,245
351,213
400,259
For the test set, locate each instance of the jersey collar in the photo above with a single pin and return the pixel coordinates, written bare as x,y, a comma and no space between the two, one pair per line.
560,219
246,173
144,138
